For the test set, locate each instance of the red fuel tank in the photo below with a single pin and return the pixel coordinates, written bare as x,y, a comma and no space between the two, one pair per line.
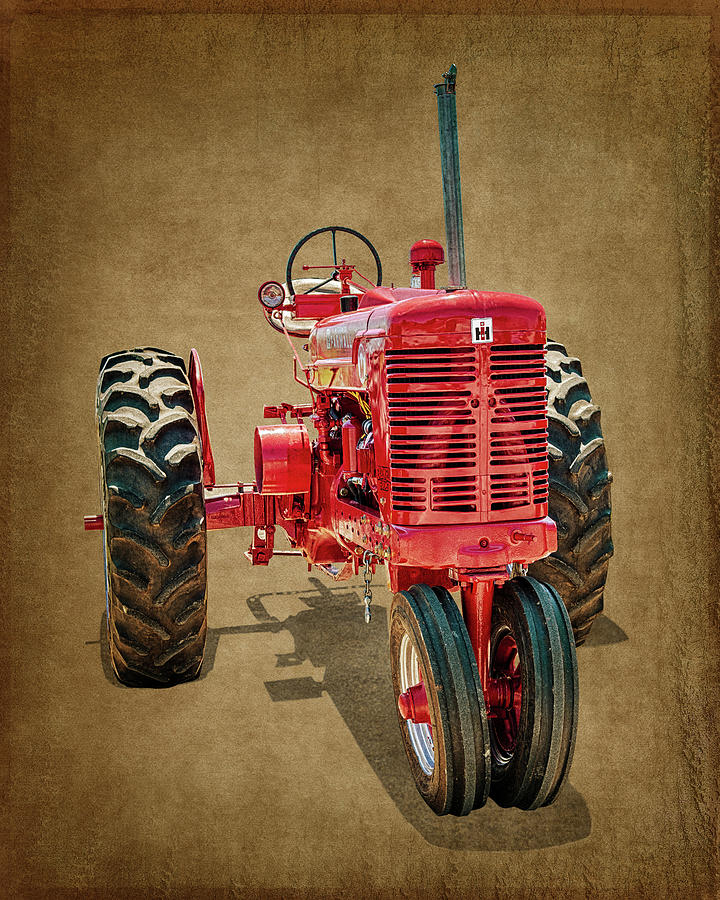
283,459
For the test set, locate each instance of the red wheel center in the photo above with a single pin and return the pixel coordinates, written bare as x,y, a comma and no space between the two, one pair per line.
504,693
413,704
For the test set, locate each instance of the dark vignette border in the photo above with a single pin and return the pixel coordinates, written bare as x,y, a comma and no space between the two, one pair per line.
10,10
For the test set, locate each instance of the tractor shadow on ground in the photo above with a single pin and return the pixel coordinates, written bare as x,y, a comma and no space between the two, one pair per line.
332,634
605,631
213,637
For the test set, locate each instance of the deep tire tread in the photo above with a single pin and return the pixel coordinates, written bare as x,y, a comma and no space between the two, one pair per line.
579,493
151,462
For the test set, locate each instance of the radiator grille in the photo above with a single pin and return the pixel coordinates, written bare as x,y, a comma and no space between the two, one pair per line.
439,457
409,494
454,494
540,486
508,491
433,429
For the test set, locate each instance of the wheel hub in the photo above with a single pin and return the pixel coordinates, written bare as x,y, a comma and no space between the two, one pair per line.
501,694
505,694
412,701
413,704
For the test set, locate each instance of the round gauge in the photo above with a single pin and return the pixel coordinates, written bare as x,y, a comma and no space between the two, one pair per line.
271,294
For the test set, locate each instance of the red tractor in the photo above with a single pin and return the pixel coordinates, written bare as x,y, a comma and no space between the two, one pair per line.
453,445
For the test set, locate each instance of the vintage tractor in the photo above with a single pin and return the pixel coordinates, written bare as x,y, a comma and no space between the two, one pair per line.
432,409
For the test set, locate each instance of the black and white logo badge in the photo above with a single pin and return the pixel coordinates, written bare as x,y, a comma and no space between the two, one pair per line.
481,331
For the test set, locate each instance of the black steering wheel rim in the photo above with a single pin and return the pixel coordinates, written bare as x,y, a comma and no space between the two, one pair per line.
333,229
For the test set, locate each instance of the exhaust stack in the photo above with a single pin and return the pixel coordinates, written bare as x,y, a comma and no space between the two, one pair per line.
450,161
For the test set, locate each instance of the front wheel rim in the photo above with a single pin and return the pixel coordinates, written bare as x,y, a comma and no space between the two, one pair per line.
505,722
420,734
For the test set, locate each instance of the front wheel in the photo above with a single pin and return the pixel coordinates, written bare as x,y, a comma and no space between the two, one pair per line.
534,668
441,710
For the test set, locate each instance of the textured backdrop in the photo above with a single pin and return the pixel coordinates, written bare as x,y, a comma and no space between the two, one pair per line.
161,167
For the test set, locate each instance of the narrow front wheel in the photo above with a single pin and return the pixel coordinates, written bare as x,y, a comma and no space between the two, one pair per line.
441,710
534,683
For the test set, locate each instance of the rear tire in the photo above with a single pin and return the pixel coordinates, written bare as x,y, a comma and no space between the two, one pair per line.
154,517
579,500
532,757
450,758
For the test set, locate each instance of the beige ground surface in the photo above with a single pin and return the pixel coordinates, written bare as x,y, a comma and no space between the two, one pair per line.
162,167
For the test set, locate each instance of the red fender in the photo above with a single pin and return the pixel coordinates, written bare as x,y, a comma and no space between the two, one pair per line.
198,391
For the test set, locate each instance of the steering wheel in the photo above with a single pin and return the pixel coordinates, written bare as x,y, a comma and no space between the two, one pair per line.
332,229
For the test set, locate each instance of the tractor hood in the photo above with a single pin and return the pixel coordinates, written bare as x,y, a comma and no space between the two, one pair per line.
515,317
331,350
410,316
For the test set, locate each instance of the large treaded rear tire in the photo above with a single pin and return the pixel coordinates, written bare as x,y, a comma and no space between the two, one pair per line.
579,493
154,516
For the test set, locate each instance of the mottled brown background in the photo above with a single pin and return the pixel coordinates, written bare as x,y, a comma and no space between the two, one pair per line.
160,167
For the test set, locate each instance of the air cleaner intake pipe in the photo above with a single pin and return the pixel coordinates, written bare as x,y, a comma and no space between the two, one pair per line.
450,161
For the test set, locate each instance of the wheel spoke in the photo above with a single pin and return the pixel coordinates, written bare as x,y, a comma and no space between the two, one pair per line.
334,247
323,283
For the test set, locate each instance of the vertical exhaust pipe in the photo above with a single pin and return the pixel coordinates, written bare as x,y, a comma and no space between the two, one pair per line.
450,161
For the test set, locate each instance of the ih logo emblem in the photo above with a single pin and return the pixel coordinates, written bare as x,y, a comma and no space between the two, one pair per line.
481,331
